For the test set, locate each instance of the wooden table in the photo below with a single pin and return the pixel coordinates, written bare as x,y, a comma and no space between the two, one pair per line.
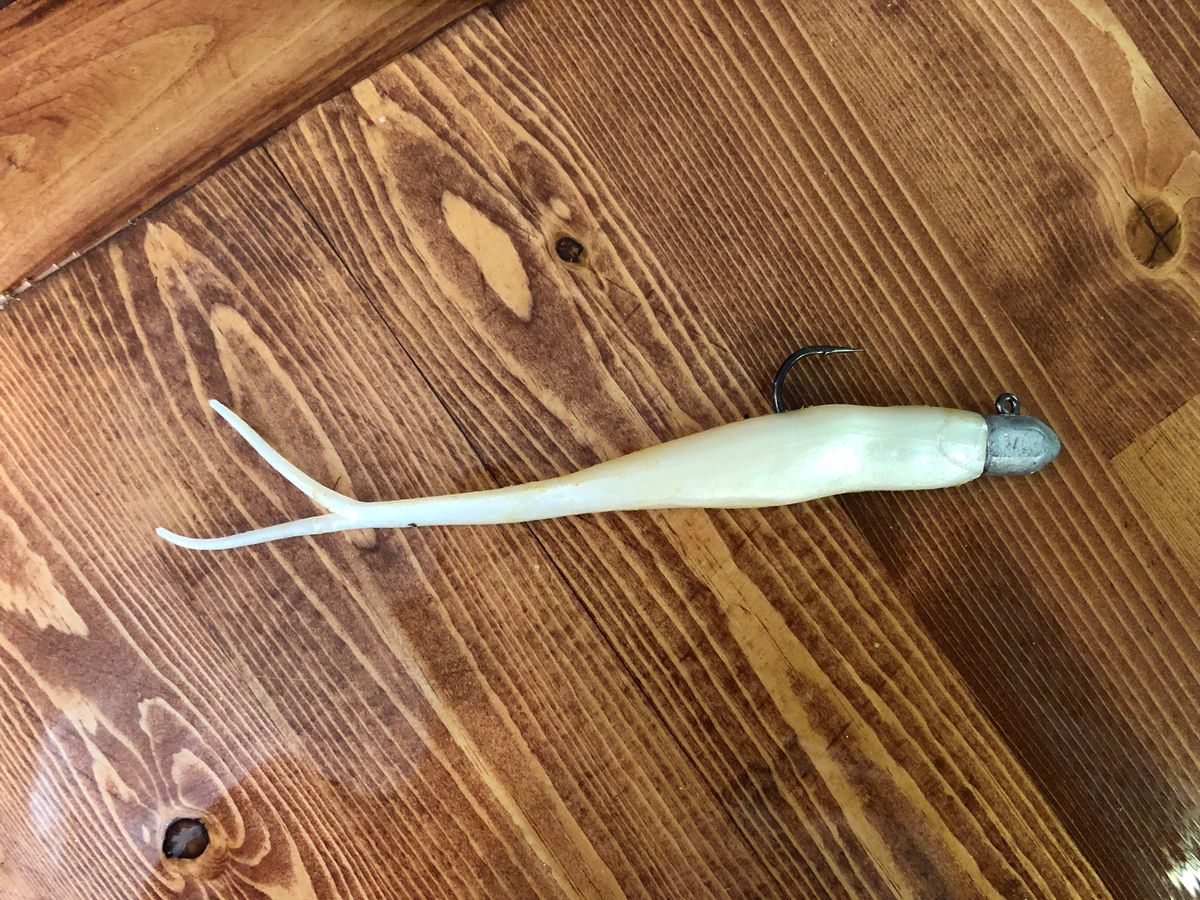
985,691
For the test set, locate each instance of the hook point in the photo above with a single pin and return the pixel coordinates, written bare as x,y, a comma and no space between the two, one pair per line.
815,350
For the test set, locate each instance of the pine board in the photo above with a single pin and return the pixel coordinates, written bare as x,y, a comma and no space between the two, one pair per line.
446,698
108,107
978,692
1169,37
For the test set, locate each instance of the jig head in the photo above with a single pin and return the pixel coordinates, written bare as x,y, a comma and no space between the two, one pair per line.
813,452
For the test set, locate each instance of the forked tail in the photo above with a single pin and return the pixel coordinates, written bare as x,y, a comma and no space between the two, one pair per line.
344,512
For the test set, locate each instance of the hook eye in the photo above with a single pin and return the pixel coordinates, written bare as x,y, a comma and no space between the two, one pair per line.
1008,405
816,350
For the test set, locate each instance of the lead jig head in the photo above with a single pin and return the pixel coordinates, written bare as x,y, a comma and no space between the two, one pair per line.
1017,444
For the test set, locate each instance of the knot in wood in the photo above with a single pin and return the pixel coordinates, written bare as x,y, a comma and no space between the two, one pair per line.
185,839
568,249
1153,230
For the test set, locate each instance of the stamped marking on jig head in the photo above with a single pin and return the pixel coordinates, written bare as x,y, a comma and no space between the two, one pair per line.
1017,444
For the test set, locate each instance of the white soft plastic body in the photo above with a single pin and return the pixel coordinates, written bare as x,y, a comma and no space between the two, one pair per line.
773,460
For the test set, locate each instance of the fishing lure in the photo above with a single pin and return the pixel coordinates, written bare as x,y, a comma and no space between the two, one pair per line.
771,460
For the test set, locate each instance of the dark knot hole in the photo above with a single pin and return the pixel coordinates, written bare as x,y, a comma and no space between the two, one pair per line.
568,249
185,839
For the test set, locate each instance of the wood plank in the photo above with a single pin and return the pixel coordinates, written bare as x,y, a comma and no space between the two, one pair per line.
1161,470
981,691
424,714
1168,36
106,108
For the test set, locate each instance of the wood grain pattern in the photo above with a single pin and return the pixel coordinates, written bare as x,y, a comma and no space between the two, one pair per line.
106,108
979,692
1160,470
381,716
1169,38
951,188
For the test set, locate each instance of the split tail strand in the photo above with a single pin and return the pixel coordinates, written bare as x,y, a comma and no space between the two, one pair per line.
520,503
341,509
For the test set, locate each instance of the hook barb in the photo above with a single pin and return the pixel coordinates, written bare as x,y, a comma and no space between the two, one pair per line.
815,350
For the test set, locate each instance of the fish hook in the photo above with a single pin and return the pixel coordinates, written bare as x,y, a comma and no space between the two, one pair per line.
777,384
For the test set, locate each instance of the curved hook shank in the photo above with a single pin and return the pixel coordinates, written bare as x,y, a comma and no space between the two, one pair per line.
781,375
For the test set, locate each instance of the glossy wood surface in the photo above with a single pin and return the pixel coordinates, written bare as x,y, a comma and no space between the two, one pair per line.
108,107
1169,38
985,691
